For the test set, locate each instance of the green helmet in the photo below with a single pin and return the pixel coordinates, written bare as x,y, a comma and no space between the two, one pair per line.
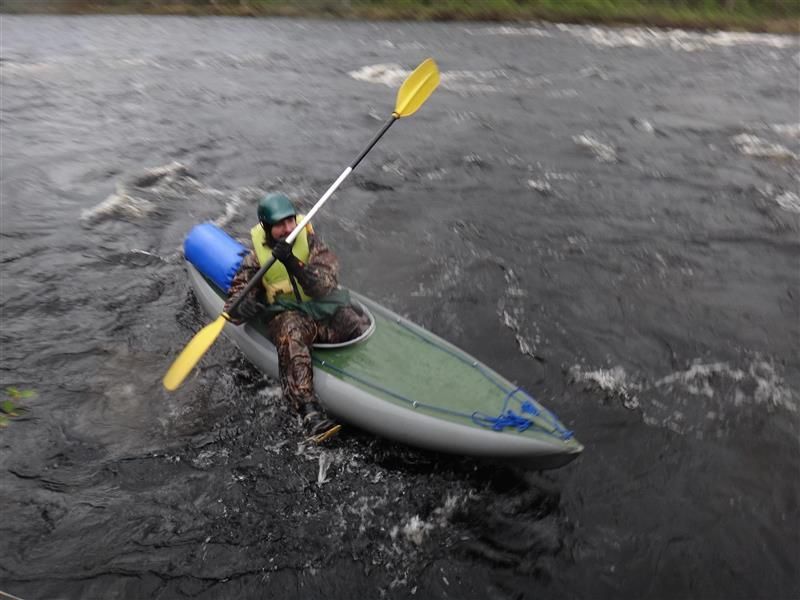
274,208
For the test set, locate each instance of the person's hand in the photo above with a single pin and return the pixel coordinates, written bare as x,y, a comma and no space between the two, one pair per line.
247,309
282,251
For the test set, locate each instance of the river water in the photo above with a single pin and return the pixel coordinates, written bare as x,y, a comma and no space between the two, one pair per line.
608,217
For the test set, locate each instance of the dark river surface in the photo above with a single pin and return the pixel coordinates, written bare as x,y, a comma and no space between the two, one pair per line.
610,218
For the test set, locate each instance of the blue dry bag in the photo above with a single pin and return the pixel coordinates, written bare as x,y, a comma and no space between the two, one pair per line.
214,253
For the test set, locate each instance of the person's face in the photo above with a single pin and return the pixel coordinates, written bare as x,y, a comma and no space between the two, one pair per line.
281,230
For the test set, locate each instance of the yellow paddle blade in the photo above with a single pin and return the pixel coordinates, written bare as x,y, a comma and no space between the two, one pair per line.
192,354
416,88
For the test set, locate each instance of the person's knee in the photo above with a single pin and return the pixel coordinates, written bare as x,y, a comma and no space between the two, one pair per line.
349,323
296,328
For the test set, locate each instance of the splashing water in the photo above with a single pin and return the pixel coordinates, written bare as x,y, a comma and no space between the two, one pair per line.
751,145
605,153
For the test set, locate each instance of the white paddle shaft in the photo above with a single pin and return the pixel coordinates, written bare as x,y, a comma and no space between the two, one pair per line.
318,205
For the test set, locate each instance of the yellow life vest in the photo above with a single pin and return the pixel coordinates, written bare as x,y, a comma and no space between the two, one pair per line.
276,279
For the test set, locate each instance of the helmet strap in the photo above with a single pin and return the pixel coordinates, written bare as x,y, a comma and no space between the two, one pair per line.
267,234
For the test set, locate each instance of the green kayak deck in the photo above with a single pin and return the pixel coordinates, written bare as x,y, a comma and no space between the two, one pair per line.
408,366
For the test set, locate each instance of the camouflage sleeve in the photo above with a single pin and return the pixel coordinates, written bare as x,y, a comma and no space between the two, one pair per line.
247,271
320,275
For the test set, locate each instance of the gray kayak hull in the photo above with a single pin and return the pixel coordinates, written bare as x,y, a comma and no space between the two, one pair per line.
353,405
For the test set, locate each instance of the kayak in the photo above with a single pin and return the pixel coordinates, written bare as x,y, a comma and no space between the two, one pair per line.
397,380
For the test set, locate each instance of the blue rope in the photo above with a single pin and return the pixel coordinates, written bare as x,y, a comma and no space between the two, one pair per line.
506,418
509,419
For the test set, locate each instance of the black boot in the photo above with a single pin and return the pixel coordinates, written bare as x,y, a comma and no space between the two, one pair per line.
317,425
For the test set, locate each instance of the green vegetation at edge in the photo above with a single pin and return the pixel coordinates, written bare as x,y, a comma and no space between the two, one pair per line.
9,406
756,15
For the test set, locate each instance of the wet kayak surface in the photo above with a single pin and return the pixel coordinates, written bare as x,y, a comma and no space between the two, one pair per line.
609,218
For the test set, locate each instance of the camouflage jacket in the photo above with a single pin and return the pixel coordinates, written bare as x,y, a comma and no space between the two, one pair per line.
318,277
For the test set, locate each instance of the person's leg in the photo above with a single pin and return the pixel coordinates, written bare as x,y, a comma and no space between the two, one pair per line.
293,333
346,323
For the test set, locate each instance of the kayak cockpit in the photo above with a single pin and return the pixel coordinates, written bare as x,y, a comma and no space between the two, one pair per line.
360,308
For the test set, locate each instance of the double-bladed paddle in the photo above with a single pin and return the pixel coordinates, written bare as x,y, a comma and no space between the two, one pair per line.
412,94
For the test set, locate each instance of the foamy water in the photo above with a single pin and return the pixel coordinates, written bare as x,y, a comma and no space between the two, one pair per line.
603,152
674,39
510,30
168,187
751,145
789,201
790,130
462,81
125,203
703,397
643,37
416,529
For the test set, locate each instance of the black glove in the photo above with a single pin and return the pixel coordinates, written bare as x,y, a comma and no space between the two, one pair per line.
283,252
247,309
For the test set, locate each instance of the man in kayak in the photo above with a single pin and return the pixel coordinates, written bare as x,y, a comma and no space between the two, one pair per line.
300,302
